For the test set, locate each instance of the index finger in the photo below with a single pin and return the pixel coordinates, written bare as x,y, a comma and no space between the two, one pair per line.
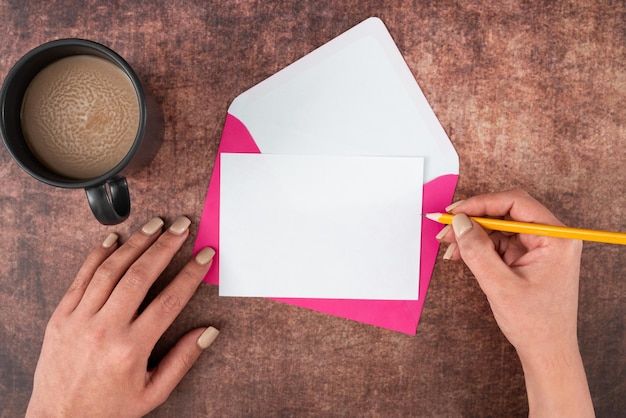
164,309
516,204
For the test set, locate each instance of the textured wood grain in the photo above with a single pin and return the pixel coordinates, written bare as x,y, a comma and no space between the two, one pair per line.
532,94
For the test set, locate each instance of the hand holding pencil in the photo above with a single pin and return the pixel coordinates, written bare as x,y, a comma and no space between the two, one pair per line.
531,283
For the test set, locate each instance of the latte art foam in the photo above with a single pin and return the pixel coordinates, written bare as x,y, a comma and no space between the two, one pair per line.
80,116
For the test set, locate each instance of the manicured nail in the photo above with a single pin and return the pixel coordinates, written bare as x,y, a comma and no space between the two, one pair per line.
461,225
450,251
206,339
153,226
110,240
442,234
454,205
180,225
205,256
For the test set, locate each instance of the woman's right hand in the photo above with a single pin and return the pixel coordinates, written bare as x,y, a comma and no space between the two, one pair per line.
531,283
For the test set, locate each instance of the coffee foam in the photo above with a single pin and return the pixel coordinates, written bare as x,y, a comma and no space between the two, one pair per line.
80,116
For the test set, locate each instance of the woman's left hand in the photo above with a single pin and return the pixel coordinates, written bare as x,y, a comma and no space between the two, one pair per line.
96,347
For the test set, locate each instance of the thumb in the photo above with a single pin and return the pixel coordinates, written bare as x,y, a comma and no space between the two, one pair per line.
478,251
177,362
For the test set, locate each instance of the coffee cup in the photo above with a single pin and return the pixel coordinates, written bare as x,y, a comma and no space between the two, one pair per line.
75,115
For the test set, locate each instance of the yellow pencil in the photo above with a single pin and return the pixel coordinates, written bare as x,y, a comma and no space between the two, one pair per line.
538,229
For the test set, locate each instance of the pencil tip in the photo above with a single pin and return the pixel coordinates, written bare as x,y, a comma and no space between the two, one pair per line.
433,216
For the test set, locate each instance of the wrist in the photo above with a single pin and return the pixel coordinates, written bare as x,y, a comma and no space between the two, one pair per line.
550,358
556,383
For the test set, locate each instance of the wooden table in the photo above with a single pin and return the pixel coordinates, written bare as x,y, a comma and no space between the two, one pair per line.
531,95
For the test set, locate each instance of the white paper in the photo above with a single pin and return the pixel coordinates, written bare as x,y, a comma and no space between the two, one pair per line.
305,226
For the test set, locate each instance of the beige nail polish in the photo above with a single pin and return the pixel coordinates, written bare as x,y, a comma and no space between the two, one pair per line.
180,225
110,240
454,205
205,256
461,224
450,251
153,226
206,339
442,234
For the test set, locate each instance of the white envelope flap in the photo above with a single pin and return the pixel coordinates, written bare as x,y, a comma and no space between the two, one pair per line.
354,96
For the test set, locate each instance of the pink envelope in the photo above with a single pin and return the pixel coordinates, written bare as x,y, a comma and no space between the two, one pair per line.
353,96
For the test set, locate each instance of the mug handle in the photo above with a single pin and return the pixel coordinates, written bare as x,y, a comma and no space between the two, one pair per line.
110,201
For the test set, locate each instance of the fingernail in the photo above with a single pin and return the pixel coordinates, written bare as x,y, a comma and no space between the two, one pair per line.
205,256
206,339
461,224
153,226
454,205
180,225
110,240
450,251
442,234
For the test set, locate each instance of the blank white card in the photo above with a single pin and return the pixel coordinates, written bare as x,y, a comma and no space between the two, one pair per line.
305,226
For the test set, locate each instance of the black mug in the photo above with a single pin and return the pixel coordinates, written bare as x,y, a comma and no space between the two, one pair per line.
107,194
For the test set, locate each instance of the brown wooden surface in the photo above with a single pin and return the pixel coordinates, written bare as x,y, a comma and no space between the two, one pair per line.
532,95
